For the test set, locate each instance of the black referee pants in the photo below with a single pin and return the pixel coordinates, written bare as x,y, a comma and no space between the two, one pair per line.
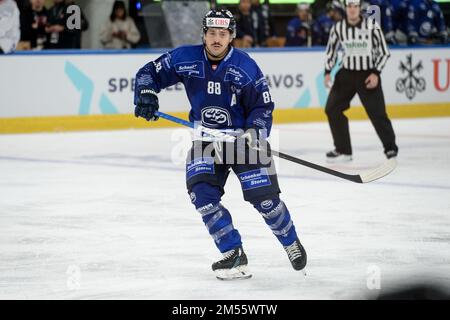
347,83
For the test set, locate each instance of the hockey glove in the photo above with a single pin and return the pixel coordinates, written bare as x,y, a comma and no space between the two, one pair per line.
146,105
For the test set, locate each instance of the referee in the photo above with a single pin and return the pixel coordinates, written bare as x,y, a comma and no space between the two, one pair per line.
365,54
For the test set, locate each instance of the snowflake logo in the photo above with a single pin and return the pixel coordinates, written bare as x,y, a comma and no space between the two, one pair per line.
411,83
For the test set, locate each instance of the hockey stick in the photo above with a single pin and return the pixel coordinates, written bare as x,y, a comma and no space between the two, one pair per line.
375,174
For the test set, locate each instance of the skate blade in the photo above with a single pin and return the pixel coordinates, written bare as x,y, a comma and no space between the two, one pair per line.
238,273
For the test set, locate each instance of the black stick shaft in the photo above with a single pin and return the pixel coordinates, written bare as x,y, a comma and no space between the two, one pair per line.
354,178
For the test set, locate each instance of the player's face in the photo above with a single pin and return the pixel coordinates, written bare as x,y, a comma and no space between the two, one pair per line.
217,40
353,11
303,14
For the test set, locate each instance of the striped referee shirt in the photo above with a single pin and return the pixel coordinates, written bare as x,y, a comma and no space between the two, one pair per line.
363,45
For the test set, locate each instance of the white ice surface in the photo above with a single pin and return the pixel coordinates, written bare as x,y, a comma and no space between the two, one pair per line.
105,215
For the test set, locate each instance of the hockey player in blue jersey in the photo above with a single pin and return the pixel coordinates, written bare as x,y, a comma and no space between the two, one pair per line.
400,20
426,22
298,30
227,91
322,25
386,11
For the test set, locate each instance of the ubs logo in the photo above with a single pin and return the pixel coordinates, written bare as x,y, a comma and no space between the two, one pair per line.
412,82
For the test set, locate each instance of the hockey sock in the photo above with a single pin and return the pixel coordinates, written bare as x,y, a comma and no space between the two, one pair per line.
277,217
216,217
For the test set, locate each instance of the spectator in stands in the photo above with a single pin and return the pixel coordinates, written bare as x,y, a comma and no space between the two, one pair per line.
59,35
9,26
38,24
73,36
426,23
299,28
26,15
387,26
245,24
400,20
120,31
56,24
265,21
322,25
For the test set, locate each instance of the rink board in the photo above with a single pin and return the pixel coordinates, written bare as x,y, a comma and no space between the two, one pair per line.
129,121
84,90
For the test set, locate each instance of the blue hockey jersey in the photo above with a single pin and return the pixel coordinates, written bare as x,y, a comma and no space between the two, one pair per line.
321,30
426,19
400,15
234,96
386,14
297,33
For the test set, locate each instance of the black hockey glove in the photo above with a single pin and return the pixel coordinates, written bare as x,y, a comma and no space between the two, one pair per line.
146,105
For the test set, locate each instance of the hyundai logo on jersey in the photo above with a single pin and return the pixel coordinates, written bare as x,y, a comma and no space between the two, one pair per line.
215,116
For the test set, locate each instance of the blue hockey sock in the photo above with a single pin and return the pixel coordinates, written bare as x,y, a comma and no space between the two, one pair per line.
216,217
277,217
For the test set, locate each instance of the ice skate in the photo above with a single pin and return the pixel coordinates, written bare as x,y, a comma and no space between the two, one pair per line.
297,255
233,266
391,154
337,157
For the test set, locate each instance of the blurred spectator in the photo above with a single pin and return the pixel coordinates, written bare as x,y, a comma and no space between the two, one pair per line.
400,20
38,24
26,16
56,25
120,32
59,35
265,20
299,29
9,26
386,19
322,25
426,23
319,7
245,25
72,38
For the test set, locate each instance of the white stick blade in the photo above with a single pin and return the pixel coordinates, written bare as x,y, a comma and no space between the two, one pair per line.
379,172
